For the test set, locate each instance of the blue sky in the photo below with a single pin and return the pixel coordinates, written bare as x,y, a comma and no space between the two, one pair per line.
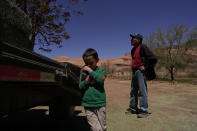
106,24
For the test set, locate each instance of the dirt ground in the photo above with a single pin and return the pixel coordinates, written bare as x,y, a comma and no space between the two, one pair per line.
173,108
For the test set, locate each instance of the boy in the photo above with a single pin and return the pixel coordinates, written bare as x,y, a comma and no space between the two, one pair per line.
94,98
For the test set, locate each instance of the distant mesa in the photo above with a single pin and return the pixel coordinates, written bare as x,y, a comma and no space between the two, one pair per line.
123,62
77,61
61,58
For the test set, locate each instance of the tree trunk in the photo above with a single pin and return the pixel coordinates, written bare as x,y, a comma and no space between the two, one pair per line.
33,38
25,6
33,21
172,73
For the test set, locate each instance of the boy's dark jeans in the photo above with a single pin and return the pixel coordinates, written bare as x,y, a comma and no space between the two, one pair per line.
139,89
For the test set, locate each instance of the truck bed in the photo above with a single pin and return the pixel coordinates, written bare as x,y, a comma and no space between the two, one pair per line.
28,79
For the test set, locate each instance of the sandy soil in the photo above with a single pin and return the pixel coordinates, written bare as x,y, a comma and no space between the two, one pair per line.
173,108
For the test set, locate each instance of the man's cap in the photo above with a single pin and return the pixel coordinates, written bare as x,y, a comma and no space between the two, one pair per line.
135,35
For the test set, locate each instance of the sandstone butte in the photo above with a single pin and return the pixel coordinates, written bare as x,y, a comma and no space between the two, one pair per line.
123,62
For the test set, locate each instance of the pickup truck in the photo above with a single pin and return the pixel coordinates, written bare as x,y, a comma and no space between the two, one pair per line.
28,79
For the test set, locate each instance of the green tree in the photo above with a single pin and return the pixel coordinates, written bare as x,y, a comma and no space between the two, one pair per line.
192,41
171,45
48,18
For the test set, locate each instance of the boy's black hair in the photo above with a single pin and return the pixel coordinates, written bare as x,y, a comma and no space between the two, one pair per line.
90,52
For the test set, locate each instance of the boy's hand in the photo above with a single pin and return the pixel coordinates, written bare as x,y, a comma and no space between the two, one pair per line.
141,68
88,78
88,69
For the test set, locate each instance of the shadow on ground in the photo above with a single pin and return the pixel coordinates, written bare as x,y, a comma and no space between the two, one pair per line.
37,120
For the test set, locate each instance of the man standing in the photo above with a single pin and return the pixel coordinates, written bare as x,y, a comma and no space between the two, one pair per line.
143,62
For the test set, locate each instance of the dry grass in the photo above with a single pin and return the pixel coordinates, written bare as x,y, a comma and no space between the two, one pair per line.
173,108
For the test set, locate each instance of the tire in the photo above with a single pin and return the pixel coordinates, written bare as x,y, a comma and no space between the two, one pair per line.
60,109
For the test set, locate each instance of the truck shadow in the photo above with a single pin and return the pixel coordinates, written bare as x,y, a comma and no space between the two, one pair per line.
36,119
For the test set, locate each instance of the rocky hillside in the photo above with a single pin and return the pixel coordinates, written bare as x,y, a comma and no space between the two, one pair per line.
192,55
123,63
120,63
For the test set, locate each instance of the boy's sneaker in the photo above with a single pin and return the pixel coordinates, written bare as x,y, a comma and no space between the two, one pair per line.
130,111
143,114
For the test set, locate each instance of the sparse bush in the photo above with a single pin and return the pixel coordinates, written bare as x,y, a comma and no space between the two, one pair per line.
112,72
109,68
192,75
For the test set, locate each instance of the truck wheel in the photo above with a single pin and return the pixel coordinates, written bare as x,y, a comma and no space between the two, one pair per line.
60,109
